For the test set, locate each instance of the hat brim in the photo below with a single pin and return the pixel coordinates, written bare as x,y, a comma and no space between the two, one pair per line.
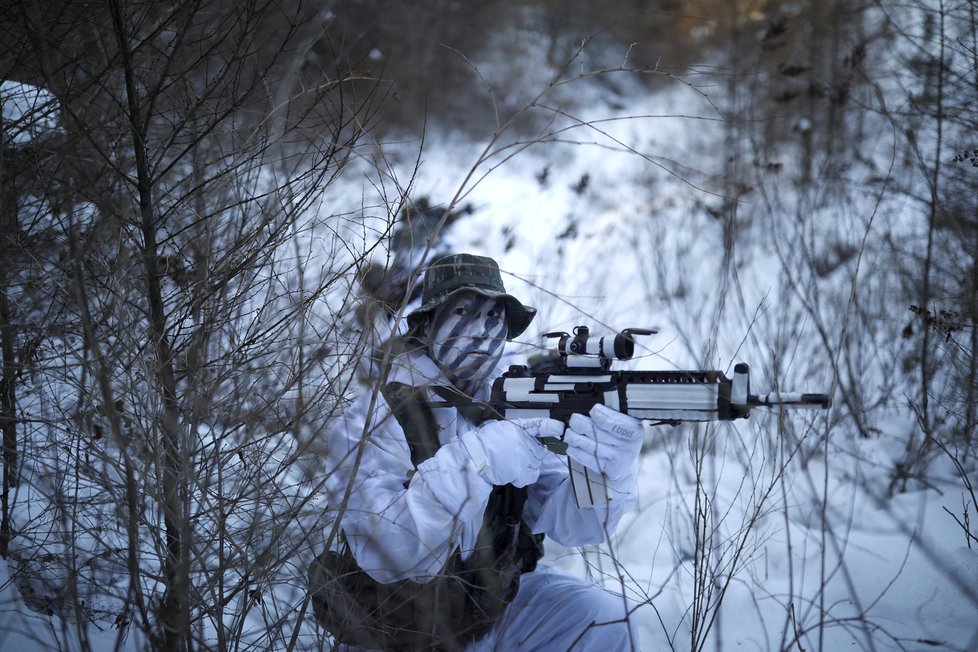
518,316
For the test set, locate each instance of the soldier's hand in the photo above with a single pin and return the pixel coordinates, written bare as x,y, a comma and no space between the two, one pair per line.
606,441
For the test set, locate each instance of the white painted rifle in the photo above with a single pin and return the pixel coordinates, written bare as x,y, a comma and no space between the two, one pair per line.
577,375
580,376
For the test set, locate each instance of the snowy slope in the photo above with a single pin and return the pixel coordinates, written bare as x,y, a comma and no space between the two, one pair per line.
800,547
807,550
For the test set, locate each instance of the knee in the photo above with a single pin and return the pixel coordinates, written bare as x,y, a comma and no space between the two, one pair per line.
608,623
554,611
611,606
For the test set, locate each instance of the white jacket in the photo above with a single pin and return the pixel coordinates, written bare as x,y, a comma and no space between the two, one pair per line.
405,525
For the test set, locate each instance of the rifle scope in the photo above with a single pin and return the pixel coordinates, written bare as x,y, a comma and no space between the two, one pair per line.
582,349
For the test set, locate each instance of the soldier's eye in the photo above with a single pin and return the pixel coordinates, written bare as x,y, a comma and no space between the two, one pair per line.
461,310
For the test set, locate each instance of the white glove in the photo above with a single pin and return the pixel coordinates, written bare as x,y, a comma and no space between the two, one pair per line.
507,452
540,427
608,442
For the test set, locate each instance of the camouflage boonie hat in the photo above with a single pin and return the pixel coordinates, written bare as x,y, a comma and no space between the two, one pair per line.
448,275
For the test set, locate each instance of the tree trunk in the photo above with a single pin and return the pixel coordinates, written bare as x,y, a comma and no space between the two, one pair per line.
174,611
8,380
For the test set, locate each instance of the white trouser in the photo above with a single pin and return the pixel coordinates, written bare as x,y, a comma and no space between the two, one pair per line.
556,612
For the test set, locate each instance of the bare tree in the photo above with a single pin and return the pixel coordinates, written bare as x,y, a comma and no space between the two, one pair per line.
182,194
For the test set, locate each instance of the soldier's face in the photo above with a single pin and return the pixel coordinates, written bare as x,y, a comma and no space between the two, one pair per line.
467,336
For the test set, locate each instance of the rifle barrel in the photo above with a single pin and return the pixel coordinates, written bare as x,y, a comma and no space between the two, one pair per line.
790,399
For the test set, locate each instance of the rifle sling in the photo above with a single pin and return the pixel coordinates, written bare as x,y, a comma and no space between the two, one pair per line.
475,411
415,418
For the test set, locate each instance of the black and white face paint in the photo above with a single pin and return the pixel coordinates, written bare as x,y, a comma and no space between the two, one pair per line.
466,337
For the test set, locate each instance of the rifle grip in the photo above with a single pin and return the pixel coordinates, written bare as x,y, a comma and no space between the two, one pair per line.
555,444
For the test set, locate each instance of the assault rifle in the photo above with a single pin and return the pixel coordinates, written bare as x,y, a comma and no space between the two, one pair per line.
578,375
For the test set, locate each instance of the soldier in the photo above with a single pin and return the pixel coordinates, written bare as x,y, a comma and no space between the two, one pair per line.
444,508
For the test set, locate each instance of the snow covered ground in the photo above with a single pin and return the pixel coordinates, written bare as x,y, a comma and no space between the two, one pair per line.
806,550
780,537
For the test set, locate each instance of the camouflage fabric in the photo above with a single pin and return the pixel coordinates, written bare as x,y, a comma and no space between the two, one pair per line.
463,602
450,274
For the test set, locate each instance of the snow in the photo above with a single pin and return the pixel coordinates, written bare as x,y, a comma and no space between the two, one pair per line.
28,111
792,538
25,630
798,529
